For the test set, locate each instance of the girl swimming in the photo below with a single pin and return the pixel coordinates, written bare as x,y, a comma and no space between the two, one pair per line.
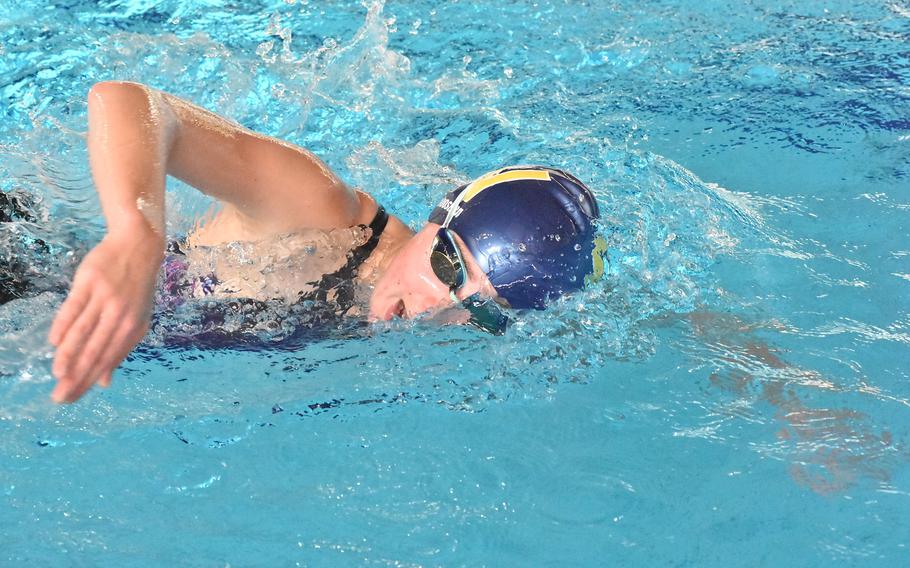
520,236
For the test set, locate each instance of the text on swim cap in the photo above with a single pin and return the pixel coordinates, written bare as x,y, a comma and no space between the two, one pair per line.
447,204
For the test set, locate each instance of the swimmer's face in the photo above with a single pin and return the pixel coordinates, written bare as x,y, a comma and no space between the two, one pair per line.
410,287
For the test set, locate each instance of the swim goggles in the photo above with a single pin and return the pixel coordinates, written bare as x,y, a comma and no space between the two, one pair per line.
449,266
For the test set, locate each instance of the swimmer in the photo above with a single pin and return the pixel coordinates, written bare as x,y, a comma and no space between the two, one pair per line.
518,237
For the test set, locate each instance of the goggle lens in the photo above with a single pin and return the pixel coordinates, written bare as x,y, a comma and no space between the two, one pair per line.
449,266
446,260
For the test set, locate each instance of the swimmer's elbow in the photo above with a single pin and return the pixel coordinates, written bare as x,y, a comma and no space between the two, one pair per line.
107,89
130,101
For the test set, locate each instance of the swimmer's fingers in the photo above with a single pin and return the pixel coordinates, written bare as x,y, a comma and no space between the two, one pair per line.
68,312
109,304
116,350
72,343
85,368
73,392
119,340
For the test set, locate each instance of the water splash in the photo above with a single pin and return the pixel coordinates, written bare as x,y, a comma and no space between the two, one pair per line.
664,226
365,101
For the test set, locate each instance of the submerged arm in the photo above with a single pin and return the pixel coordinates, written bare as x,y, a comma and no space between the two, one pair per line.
137,136
832,446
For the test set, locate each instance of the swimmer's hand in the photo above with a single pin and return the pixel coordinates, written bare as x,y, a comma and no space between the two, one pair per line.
107,311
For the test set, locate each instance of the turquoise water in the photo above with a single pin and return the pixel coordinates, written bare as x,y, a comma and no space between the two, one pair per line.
734,393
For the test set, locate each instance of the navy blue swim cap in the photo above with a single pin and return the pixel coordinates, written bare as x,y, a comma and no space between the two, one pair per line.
531,229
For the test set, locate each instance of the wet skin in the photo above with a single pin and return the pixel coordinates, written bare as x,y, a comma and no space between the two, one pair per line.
408,287
139,136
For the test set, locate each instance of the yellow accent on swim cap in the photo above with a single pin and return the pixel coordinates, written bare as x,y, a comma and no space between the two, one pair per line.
492,178
597,255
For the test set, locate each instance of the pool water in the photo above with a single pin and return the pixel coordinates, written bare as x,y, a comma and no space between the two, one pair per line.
734,392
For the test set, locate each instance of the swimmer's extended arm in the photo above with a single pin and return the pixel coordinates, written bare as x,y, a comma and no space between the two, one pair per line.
136,137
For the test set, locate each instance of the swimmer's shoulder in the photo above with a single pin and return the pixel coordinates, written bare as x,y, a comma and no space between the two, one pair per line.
226,223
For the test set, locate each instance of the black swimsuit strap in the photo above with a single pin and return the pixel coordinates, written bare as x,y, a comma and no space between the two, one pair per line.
342,280
360,254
